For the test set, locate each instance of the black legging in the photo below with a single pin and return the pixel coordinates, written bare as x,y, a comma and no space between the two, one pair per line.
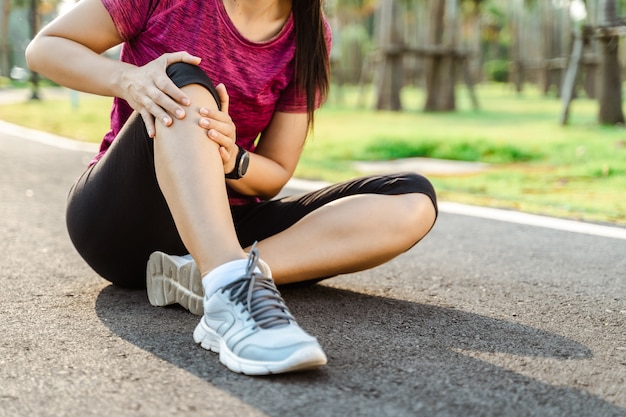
117,215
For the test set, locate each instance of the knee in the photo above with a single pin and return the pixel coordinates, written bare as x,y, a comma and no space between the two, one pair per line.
417,185
419,205
421,214
183,74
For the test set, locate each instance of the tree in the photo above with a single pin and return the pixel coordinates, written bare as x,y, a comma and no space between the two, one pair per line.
610,89
5,46
441,71
34,29
390,74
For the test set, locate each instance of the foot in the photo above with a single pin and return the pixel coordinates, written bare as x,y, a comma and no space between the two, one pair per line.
174,279
249,325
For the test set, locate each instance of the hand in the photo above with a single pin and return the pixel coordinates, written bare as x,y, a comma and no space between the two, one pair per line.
221,129
149,90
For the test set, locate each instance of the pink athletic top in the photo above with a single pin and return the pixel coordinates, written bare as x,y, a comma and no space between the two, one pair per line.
258,76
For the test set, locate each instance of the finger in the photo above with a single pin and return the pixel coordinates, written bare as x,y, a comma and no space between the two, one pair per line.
224,154
225,128
169,96
220,139
165,84
161,104
215,114
148,121
182,56
149,104
223,95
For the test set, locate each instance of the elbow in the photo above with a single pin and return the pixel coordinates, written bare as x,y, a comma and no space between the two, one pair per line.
273,188
268,194
270,191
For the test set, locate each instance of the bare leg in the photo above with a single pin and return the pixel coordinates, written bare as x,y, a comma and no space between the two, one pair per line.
191,176
348,235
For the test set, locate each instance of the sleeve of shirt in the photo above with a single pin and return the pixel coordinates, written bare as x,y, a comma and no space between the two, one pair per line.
294,101
129,16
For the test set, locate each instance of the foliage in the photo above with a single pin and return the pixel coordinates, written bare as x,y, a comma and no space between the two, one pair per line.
497,70
473,150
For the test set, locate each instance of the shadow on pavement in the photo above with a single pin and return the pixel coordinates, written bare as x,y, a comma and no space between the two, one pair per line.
387,357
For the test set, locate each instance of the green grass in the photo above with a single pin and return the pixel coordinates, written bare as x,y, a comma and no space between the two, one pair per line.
86,122
577,171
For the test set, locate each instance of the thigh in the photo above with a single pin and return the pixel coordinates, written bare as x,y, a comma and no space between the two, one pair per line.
116,214
256,222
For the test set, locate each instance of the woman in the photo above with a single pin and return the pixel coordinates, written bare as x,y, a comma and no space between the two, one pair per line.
189,168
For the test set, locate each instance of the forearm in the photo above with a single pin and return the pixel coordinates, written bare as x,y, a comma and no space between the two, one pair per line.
276,156
75,66
265,178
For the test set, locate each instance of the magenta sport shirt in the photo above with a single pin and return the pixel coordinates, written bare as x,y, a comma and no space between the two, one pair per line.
258,76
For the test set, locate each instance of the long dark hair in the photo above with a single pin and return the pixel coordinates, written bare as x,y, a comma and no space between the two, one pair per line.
312,62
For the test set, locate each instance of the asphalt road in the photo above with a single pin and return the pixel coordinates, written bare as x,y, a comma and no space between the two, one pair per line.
482,318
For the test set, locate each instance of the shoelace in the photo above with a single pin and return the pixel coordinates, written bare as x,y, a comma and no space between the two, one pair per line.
260,296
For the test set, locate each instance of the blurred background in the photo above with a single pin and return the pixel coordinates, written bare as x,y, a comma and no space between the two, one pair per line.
433,44
505,103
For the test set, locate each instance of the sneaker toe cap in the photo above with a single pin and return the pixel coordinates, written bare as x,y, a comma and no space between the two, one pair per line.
277,345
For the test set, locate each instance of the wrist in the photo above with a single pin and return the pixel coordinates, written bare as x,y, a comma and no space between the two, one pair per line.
242,161
120,82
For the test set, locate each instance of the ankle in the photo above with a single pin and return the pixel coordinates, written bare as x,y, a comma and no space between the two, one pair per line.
227,273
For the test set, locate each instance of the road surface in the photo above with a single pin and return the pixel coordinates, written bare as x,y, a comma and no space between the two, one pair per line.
484,317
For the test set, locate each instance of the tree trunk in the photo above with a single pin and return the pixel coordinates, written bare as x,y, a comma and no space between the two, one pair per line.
516,48
610,90
390,74
5,49
441,70
548,44
610,77
34,28
568,91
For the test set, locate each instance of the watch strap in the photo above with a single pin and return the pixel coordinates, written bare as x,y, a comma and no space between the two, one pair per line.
235,173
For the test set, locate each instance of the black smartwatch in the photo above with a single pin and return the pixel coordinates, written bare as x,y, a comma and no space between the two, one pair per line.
241,165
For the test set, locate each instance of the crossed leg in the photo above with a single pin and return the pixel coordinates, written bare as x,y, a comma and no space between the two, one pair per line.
347,235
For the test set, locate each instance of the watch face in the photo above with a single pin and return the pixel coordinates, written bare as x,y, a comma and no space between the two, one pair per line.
243,164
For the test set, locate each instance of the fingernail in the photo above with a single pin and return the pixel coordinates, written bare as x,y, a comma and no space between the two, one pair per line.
186,102
166,121
180,113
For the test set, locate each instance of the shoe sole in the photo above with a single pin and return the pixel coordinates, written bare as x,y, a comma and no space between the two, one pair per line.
172,279
310,357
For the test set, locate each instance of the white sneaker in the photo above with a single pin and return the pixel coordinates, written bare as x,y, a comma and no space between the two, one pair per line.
249,325
176,279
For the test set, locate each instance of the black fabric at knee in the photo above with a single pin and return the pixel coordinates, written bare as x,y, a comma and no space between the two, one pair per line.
386,184
183,74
